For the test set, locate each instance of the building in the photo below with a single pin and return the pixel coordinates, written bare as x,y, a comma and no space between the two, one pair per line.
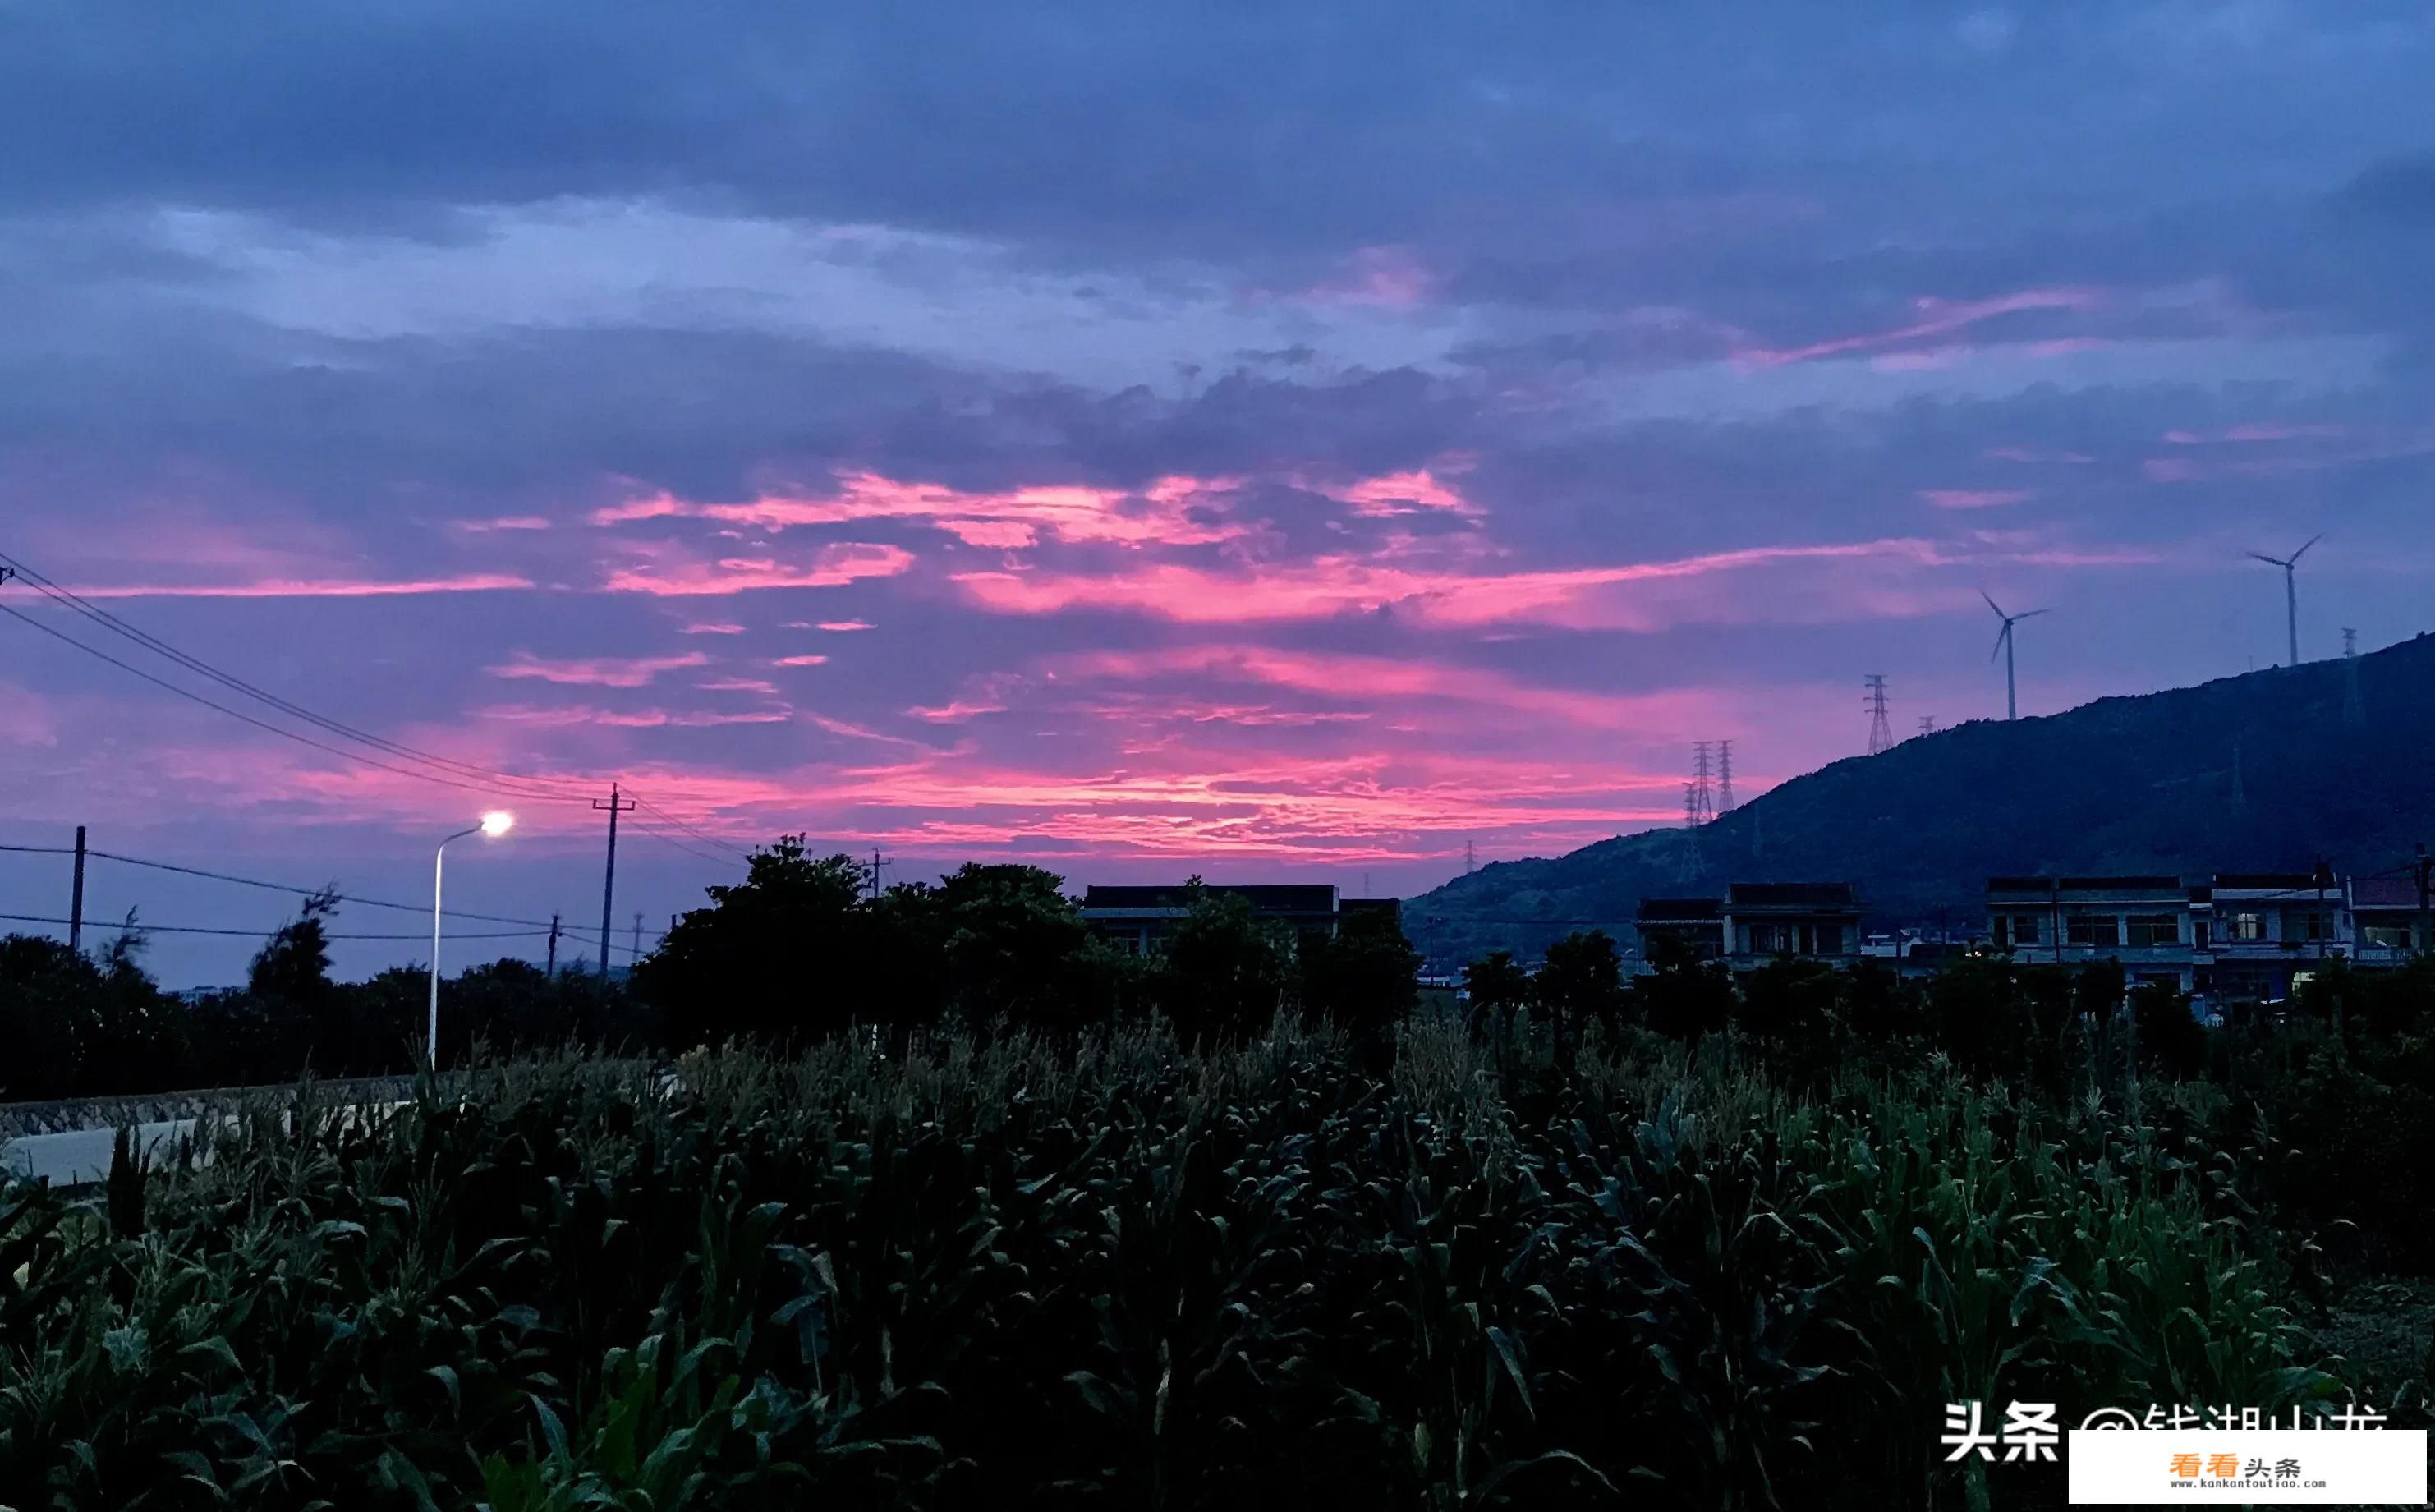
1696,924
2270,929
2389,920
1756,922
1814,921
2233,936
1139,918
2154,925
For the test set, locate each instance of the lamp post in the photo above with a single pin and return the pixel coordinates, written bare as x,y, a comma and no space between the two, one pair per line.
494,824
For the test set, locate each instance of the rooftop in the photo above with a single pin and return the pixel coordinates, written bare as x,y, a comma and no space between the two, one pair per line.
1681,909
1744,895
1288,897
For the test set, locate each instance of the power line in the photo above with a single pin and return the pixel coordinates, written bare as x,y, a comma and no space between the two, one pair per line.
196,928
274,887
525,786
240,714
734,851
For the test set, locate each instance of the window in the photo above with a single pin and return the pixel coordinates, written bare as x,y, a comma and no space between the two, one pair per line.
2023,928
1830,939
2307,926
2200,931
2150,929
2249,927
1999,928
2387,936
2099,930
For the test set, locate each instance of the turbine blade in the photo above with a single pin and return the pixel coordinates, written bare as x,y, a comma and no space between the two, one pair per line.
2271,562
2031,614
1991,603
2002,635
2303,550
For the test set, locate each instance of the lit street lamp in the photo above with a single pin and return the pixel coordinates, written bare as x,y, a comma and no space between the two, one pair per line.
494,824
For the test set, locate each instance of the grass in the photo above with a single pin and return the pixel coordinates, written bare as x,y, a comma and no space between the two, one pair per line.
1124,1273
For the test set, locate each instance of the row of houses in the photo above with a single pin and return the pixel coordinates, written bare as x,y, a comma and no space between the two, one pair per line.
2232,935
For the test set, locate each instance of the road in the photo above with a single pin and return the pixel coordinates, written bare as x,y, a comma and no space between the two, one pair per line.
81,1157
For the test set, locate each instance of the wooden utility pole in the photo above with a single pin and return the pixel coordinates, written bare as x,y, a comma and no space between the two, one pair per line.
76,899
2426,940
553,945
609,878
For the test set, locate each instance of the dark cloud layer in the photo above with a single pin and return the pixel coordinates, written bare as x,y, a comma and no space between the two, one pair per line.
1253,440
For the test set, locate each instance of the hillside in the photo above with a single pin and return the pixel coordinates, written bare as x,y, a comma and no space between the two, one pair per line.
2255,773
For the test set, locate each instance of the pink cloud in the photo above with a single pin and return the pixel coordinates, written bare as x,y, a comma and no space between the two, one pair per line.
2254,433
1327,586
1384,277
712,629
578,715
505,522
1172,511
1973,498
1409,493
800,661
956,711
831,566
321,588
845,624
1937,317
601,671
736,684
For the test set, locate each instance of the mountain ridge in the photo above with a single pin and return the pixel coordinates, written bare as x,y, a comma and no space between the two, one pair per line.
2256,771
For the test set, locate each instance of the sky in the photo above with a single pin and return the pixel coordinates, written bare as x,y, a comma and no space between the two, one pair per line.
1270,442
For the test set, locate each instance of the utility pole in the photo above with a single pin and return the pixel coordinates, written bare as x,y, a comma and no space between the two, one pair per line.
553,945
1467,859
1724,778
2425,876
1928,724
638,935
609,878
2353,708
877,860
1881,735
76,897
2323,923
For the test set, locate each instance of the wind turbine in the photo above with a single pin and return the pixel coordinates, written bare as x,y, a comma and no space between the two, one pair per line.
2290,589
2004,644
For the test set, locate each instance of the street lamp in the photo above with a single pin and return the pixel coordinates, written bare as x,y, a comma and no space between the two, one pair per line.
494,823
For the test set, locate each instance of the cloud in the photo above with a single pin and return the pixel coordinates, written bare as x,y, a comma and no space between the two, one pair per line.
831,566
601,671
1172,511
1974,498
800,661
321,588
1326,587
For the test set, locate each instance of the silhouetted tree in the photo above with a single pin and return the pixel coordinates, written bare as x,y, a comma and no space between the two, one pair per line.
1580,981
1225,971
1366,978
785,954
1498,986
1682,997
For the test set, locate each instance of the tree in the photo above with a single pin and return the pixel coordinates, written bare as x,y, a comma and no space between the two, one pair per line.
1580,981
1364,979
1498,986
1225,971
785,954
1015,949
1683,997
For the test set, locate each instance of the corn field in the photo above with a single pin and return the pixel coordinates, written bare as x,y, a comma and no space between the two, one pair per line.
1119,1274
